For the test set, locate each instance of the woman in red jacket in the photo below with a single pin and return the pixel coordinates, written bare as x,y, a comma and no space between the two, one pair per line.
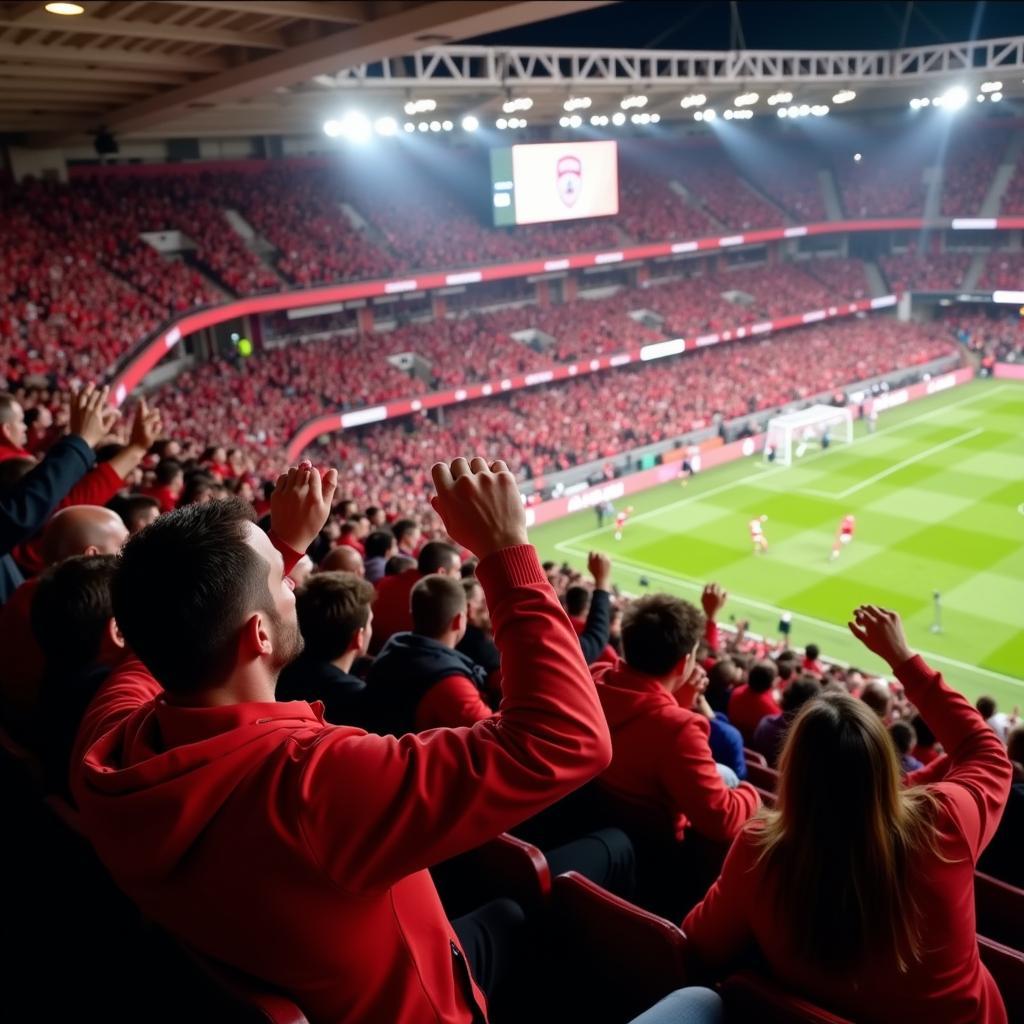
857,891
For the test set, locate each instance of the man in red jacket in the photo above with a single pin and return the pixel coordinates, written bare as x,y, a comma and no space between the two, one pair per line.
13,430
754,699
661,758
291,849
391,609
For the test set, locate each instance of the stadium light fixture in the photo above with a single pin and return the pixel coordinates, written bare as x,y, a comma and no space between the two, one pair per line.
618,119
782,112
68,10
655,118
697,100
779,97
410,126
423,126
996,97
513,106
420,106
470,123
748,99
954,98
709,115
576,103
631,102
991,87
332,128
501,124
857,157
575,121
981,97
819,109
435,126
386,126
599,120
447,126
844,96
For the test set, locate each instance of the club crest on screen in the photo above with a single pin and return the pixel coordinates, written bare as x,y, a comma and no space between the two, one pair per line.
570,179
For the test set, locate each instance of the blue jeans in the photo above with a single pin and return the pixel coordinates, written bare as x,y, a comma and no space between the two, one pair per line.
684,1006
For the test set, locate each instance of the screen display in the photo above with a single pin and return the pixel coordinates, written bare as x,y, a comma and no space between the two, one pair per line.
535,184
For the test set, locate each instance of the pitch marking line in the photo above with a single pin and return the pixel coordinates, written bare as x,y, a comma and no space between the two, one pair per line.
895,467
746,480
691,583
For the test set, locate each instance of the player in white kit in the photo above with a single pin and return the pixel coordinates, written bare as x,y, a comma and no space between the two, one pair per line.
756,526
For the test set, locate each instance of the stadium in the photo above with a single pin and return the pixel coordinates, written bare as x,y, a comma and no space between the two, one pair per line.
512,511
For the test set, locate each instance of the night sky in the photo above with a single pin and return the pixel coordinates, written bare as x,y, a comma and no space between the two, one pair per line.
820,25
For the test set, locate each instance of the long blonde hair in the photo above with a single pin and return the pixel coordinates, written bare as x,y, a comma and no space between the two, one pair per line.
844,836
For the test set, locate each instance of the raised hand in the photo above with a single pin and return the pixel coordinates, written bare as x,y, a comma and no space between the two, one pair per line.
301,504
713,599
91,417
146,426
600,567
479,504
881,631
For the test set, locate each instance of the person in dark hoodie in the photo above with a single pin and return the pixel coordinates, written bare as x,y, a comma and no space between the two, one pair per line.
336,622
419,680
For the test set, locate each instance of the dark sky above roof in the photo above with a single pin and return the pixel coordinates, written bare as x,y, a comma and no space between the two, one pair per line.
811,25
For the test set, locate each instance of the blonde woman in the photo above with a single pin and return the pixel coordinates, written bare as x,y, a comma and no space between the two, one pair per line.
858,892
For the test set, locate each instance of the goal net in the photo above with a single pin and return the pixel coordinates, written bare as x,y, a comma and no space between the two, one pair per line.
793,434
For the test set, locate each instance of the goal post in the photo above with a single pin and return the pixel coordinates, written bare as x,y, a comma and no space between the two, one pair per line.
792,434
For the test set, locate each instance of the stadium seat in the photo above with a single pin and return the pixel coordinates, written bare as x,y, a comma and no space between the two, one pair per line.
1006,966
753,757
752,997
506,866
762,776
23,768
768,798
999,908
619,959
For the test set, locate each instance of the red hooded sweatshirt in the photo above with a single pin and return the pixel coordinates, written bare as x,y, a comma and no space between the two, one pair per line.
392,612
297,851
661,758
950,984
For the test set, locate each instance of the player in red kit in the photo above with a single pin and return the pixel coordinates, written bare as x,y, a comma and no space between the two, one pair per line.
843,536
756,526
620,522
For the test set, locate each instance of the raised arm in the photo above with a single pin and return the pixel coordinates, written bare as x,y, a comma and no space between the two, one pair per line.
375,809
978,773
594,638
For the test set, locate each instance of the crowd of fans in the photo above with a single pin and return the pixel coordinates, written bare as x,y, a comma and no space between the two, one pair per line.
1002,269
220,733
916,270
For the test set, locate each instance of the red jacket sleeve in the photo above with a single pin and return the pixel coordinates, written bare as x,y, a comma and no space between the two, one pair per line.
934,772
125,690
718,928
97,487
711,635
451,702
690,777
377,808
977,781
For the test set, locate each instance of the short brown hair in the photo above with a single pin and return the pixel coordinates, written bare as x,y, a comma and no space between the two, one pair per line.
434,602
658,631
332,607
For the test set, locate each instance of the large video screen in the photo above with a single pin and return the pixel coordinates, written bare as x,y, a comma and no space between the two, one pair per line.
535,184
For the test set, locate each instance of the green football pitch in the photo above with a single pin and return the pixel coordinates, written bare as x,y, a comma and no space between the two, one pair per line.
938,492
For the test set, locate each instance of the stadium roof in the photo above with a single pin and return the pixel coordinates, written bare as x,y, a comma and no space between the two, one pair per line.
256,67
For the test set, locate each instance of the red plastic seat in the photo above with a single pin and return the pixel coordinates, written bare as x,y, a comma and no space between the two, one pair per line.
753,997
614,956
506,866
762,777
1006,966
768,798
753,757
999,908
